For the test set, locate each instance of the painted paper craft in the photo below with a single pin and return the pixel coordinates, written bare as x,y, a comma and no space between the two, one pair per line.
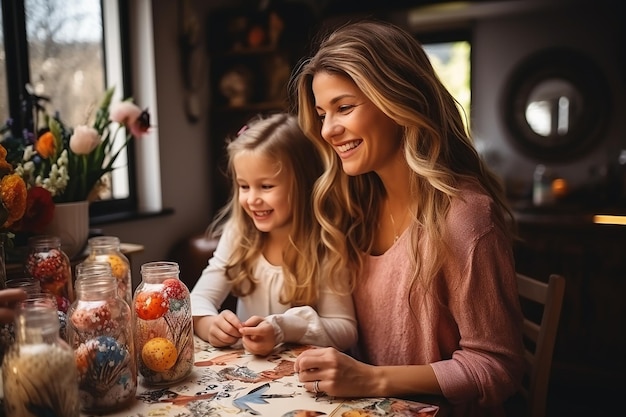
388,407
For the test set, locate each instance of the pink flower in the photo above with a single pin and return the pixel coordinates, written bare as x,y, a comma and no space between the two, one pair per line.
131,116
141,125
124,113
84,140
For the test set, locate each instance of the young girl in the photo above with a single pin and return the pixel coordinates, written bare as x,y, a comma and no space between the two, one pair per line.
267,254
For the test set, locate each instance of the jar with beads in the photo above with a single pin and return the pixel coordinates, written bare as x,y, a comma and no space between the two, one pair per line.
103,344
39,372
107,249
163,325
47,263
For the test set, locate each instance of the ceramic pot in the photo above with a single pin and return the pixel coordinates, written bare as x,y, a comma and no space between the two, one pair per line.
71,224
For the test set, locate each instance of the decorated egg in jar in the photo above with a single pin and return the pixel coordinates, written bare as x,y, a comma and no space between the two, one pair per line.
151,305
159,354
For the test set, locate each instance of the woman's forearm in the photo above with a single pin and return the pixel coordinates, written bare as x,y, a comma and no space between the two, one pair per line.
406,380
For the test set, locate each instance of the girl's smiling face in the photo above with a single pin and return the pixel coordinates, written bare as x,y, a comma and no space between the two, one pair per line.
263,191
363,136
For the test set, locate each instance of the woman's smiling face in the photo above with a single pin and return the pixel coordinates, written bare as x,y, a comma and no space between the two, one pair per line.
363,136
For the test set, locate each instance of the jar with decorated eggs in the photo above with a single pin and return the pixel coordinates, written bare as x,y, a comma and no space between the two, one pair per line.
107,249
47,263
163,325
103,344
89,268
39,372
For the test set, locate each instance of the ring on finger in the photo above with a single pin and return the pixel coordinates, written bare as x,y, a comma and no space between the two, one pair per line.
316,387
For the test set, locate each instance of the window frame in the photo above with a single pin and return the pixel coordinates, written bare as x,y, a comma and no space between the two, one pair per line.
117,71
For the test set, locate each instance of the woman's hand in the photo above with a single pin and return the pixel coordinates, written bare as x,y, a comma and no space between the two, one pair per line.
338,374
9,298
221,330
258,336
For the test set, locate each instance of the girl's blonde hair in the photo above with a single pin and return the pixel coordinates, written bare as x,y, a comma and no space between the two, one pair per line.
279,138
391,68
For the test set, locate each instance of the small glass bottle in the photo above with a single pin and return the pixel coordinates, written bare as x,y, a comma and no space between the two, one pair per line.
163,325
47,263
107,249
39,370
542,186
103,344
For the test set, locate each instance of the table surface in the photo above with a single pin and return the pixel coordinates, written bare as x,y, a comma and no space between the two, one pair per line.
231,382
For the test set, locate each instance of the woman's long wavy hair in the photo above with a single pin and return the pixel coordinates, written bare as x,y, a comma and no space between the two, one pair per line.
392,69
279,138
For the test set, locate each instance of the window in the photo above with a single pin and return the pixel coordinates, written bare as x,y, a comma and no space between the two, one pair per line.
55,49
452,63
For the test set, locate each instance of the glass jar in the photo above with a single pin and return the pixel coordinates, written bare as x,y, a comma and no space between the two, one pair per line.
163,325
33,292
46,297
107,249
47,263
39,371
102,340
30,285
90,268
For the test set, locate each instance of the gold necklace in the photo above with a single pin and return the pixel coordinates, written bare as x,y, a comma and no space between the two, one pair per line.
393,225
396,236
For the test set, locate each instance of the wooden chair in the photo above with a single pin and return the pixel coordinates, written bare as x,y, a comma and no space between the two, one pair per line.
540,330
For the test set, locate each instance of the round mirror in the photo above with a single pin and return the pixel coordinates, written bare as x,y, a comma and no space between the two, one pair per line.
556,104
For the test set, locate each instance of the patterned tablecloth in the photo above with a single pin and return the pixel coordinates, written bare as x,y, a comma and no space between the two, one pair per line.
227,382
230,382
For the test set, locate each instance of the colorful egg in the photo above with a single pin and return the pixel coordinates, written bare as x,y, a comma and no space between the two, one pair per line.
100,354
151,305
96,318
159,354
174,288
119,268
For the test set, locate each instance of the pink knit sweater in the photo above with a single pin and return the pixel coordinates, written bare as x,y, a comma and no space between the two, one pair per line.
473,338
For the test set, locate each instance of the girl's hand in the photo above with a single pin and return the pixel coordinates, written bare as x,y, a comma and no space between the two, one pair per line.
258,336
339,375
223,329
9,298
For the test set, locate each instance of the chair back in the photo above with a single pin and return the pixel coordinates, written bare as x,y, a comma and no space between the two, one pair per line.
540,331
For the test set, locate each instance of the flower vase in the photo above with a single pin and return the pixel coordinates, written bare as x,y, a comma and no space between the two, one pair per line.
71,224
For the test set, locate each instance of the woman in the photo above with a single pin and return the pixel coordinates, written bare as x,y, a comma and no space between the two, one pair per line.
408,207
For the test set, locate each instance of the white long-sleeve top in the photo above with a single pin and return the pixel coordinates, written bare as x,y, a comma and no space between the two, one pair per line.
331,322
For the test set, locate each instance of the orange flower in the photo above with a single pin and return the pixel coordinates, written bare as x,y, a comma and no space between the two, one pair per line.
5,167
13,196
45,145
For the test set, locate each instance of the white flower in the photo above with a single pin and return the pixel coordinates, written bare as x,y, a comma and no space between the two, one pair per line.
28,153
